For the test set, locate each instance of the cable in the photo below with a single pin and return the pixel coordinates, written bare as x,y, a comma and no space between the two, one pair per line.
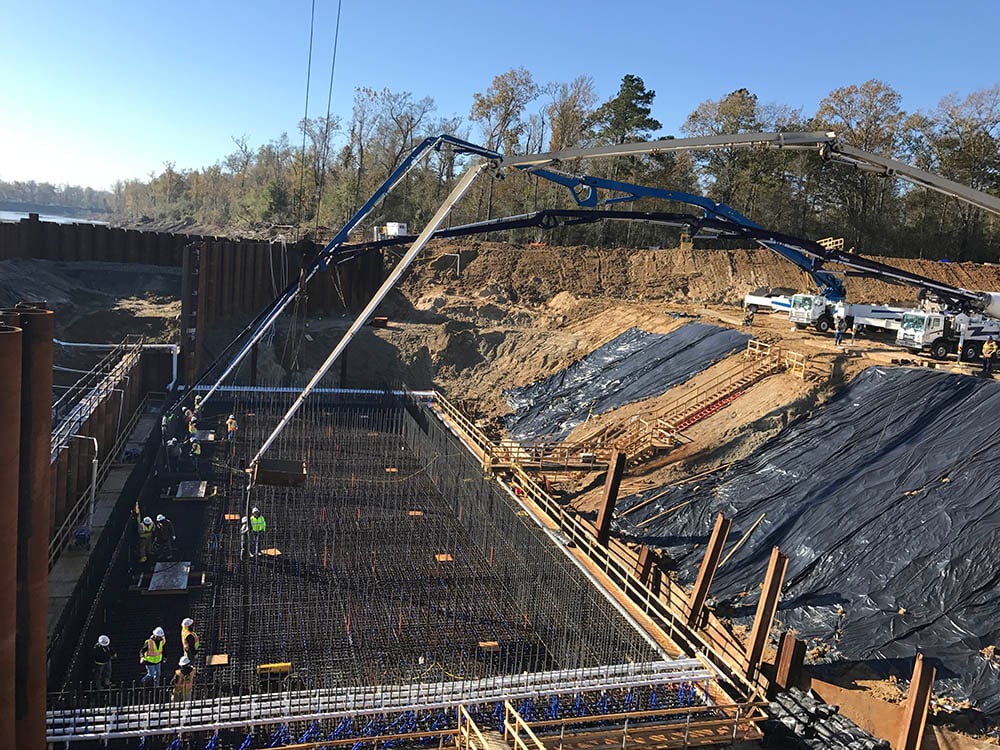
305,121
326,122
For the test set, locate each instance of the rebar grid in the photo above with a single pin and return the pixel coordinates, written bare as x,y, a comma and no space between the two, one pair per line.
394,563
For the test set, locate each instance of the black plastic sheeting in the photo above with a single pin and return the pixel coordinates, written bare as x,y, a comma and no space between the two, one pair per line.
887,502
634,366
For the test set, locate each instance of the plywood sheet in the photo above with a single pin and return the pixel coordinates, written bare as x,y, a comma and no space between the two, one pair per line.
170,576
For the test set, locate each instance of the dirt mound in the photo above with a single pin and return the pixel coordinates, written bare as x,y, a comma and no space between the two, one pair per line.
536,275
98,302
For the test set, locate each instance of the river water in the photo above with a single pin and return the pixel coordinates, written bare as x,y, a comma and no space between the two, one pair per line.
18,215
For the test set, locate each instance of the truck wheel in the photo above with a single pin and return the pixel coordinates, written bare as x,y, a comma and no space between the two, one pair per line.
824,324
970,353
940,349
752,309
801,326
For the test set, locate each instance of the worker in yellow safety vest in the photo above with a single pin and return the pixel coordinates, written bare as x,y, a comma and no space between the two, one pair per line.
145,538
989,352
195,453
257,528
151,655
190,641
183,680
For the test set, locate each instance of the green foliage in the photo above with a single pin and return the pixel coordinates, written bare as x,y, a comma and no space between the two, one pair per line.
625,117
265,188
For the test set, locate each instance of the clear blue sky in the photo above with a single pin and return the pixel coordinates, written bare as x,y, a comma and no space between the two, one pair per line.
94,91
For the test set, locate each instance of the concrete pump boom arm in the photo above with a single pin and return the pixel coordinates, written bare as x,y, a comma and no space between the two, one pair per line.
830,147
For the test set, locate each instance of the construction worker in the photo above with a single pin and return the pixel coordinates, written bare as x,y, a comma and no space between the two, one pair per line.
151,655
193,427
257,528
840,328
195,453
103,655
231,427
173,454
989,352
164,537
145,538
183,680
189,639
197,406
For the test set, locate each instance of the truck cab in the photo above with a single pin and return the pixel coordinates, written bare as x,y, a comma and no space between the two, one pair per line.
811,309
942,333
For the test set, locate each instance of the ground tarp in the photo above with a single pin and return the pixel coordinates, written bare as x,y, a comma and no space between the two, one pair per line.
887,502
633,366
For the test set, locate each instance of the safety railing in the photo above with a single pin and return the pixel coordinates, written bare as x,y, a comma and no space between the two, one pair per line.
669,609
81,411
514,726
469,735
700,726
482,445
66,531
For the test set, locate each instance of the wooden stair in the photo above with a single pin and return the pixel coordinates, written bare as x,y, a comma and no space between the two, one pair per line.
641,438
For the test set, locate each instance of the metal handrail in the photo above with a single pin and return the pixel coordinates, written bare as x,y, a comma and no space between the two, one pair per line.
85,407
61,537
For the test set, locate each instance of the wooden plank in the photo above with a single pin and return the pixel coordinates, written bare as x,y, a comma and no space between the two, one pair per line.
217,660
443,557
170,576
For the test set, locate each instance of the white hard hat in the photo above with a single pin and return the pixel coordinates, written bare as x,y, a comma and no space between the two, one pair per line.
232,416
158,632
255,509
184,661
147,520
161,517
104,640
187,622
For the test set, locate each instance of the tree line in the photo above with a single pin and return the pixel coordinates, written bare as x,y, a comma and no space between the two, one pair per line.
321,179
46,194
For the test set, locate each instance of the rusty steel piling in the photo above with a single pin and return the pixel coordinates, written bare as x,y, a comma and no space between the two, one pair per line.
32,528
10,440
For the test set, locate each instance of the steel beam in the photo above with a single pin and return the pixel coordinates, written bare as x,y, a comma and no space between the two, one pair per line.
709,564
616,468
10,442
791,657
766,608
918,698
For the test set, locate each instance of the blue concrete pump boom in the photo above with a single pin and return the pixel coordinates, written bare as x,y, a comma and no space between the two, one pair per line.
584,191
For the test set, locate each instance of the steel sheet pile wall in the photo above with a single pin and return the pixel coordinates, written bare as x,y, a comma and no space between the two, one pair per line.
886,501
398,562
631,367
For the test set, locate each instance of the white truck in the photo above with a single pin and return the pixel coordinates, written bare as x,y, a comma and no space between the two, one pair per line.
942,333
816,310
768,300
